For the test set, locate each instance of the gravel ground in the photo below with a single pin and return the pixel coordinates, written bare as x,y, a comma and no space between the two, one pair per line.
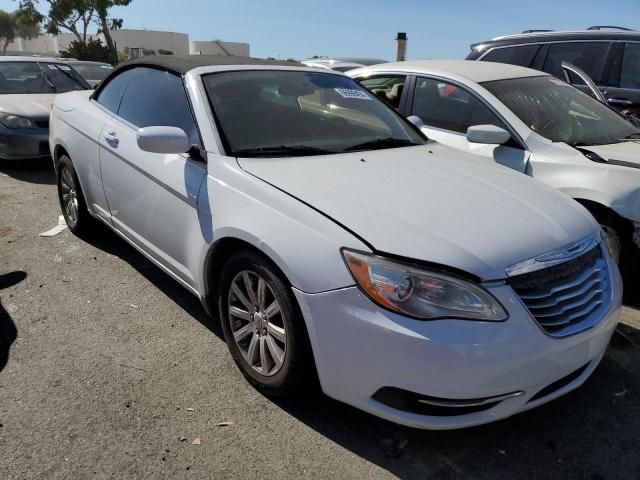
116,372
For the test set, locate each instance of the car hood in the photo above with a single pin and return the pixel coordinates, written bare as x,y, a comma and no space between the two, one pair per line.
32,105
434,204
623,153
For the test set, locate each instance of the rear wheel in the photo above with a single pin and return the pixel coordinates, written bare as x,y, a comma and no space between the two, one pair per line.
262,325
72,203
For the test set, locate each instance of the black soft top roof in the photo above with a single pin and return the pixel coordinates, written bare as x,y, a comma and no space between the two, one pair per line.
183,63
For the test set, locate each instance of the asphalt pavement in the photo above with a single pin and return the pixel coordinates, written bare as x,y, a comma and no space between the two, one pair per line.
109,369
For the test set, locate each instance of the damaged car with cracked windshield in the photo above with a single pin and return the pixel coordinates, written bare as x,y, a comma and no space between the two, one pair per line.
338,245
533,123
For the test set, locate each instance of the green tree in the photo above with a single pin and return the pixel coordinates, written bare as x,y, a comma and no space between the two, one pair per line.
15,25
75,16
93,50
107,23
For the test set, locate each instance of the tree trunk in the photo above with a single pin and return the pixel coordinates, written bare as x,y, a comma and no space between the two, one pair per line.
5,46
107,37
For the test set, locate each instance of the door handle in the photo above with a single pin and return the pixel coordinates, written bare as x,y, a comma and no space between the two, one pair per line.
111,138
623,102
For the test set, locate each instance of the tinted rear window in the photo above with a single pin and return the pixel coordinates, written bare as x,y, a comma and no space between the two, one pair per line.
587,56
521,55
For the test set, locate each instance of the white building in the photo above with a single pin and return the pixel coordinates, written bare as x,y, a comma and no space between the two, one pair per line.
151,40
218,47
133,43
50,45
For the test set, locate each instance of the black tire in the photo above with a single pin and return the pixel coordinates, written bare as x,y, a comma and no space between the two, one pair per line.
83,222
622,235
297,371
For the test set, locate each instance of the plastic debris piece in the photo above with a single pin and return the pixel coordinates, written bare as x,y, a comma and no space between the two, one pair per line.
60,227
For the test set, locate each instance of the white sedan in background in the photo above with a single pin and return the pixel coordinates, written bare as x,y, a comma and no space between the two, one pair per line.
531,122
335,242
28,86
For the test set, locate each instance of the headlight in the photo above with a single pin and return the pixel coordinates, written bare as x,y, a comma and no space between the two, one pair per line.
419,293
14,121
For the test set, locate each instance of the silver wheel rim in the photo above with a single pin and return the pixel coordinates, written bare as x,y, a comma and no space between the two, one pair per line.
612,242
256,323
69,195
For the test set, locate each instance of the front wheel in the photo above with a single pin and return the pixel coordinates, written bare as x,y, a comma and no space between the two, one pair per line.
618,238
262,325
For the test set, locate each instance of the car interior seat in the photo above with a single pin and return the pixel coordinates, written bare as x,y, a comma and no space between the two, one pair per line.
394,95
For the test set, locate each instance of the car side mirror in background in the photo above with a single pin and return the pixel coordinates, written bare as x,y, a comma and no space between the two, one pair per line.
163,140
489,134
416,120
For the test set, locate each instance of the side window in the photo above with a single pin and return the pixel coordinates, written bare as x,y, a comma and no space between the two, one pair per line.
522,55
630,70
587,56
111,94
389,88
157,98
446,106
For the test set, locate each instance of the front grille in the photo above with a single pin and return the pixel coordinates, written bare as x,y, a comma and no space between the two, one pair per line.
42,123
568,298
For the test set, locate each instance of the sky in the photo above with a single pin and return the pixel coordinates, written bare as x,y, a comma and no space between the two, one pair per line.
302,28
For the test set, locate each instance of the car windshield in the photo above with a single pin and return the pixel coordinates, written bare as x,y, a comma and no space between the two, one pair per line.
92,71
39,77
560,112
267,113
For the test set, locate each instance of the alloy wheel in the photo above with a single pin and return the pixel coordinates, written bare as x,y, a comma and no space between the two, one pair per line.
256,322
69,194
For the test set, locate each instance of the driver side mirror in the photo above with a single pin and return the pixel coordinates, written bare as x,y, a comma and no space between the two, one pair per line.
165,140
416,120
488,134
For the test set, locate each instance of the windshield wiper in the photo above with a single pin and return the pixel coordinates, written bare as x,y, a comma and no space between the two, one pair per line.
631,138
380,143
44,75
280,150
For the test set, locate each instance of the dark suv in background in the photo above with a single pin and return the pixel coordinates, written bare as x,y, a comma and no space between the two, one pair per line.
609,55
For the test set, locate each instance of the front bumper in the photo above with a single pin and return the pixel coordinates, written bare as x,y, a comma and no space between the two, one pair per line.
360,348
23,143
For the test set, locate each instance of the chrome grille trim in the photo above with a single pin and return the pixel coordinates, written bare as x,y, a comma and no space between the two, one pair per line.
567,296
573,284
570,297
570,306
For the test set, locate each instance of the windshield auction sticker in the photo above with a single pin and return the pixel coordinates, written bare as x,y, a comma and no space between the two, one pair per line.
352,93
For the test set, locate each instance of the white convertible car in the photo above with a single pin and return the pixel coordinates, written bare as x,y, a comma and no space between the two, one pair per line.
335,242
531,122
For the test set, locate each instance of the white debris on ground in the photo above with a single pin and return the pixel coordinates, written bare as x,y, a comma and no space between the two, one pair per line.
61,226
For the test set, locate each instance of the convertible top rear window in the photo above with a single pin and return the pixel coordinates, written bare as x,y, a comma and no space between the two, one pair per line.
285,113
